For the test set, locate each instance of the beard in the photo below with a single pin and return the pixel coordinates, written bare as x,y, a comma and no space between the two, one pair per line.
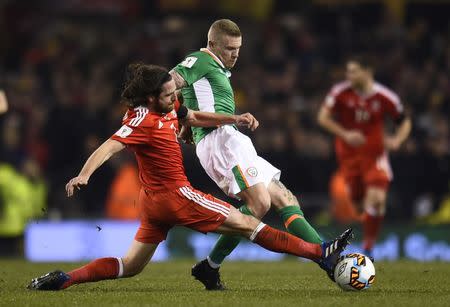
164,108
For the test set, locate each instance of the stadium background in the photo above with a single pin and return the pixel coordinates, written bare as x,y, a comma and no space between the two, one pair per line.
61,66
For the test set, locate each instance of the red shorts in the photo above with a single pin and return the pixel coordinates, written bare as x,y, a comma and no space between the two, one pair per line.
363,172
184,206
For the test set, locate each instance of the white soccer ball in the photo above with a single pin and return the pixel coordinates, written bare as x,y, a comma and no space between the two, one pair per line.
354,272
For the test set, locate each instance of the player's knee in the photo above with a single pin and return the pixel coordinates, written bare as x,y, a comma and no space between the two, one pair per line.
376,201
378,198
260,205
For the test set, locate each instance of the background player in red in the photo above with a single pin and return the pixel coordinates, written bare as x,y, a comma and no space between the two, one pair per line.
354,111
167,199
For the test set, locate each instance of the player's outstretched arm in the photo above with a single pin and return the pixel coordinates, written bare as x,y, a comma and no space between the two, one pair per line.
208,119
3,102
95,160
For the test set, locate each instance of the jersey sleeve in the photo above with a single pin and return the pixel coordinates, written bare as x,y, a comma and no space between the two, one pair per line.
335,95
393,105
136,128
129,135
193,68
331,100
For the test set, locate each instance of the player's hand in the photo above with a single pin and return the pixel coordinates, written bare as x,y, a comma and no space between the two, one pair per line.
354,138
75,182
391,143
247,120
185,135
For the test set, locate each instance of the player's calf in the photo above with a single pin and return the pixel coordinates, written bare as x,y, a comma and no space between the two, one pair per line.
374,205
288,208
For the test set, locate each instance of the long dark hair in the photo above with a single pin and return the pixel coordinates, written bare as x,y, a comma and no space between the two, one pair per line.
142,81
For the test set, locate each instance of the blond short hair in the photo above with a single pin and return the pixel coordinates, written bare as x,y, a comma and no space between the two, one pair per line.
223,27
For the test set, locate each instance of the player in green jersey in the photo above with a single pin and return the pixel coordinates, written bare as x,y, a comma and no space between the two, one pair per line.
227,155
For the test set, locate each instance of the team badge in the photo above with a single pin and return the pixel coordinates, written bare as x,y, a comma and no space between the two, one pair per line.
124,131
189,61
252,171
376,106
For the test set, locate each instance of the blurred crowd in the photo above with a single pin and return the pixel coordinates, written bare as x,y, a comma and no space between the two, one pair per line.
62,73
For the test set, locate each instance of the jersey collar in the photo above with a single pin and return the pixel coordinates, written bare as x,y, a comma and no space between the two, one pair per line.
213,56
372,91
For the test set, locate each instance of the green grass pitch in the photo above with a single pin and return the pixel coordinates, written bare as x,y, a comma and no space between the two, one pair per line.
287,283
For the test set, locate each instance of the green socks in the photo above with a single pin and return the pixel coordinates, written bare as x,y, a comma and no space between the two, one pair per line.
226,243
297,225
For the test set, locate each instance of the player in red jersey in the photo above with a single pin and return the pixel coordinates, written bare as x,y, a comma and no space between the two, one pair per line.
167,199
354,112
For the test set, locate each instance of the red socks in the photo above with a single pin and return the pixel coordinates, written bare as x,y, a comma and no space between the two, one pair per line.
283,242
371,229
99,269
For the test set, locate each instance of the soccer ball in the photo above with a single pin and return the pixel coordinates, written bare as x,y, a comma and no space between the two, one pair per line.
354,272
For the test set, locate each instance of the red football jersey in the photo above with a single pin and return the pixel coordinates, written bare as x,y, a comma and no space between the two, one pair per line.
363,113
153,139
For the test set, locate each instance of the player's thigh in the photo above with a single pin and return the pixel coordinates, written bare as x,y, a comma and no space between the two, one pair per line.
378,172
155,216
238,224
230,159
257,199
197,210
350,176
137,257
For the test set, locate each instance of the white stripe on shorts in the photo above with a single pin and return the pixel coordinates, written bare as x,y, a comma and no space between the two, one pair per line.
202,201
206,201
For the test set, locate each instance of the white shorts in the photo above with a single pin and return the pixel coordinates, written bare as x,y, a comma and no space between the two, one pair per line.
230,159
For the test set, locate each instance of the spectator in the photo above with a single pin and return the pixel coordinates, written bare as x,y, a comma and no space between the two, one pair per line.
124,193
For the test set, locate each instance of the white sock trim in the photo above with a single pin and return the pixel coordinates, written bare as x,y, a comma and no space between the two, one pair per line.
255,232
119,260
212,263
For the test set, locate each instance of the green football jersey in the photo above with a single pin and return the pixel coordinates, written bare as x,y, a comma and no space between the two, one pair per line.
208,86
